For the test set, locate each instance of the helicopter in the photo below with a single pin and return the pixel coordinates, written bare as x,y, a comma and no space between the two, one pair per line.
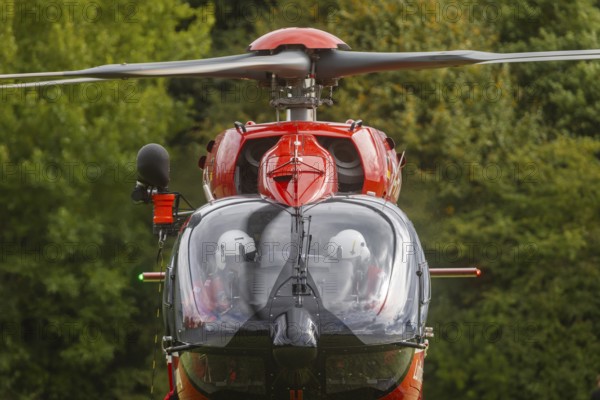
300,278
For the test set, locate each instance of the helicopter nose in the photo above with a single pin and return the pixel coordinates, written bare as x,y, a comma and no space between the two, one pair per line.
295,335
295,327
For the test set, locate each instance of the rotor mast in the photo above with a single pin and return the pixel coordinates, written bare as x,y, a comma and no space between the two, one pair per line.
307,112
299,97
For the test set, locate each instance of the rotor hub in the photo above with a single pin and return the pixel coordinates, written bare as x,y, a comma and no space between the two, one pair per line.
310,38
299,97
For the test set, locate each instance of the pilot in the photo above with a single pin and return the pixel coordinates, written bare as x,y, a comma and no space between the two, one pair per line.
351,245
368,277
234,248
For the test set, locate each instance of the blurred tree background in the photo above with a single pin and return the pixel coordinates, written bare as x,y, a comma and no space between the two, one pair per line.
503,172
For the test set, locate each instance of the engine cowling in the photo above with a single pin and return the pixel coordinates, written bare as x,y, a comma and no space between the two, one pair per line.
297,171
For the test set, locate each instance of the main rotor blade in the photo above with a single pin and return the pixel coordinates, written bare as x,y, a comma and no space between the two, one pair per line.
56,82
336,63
287,64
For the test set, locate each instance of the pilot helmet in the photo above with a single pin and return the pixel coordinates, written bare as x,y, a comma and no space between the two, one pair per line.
236,246
351,245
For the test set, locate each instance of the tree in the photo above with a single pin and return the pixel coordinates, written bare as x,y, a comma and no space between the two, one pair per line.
497,178
74,321
503,171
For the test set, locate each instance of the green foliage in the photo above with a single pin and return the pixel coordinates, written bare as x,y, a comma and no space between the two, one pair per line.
74,320
503,171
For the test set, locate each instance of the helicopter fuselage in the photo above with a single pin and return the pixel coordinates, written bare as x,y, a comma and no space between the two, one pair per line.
261,303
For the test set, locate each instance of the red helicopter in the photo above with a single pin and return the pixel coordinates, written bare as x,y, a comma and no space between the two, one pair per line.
300,278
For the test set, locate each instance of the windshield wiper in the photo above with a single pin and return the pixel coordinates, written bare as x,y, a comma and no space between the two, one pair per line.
300,288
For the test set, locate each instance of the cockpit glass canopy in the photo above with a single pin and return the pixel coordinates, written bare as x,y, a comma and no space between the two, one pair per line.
231,262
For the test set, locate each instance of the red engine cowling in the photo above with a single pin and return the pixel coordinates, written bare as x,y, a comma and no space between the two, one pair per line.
364,160
296,171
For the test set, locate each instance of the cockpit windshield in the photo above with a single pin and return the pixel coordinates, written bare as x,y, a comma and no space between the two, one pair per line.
231,259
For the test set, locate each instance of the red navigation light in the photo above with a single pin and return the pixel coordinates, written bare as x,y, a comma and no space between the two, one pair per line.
455,272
